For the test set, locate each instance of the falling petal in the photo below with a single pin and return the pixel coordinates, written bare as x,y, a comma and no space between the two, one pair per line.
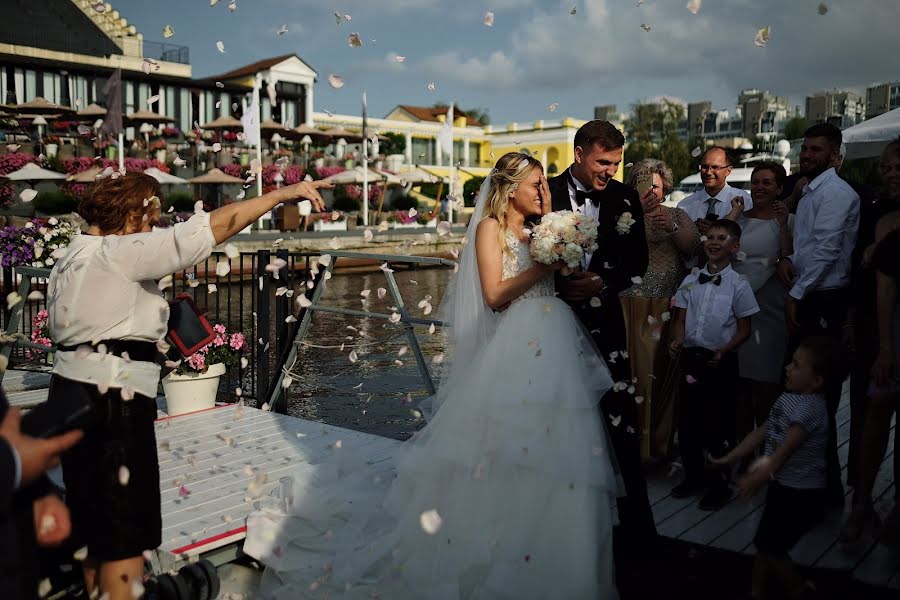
395,317
489,19
595,302
45,587
28,195
823,10
615,420
168,31
696,152
553,106
762,37
400,59
430,521
305,208
80,554
645,27
220,47
381,292
124,475
354,41
430,87
694,6
443,228
353,356
283,30
574,10
690,379
368,235
231,251
223,268
437,358
637,280
232,6
211,288
276,265
336,81
302,301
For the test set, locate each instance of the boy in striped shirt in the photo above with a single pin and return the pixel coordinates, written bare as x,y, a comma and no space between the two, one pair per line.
793,463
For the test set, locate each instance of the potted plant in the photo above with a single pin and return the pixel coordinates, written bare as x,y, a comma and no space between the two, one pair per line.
193,384
40,334
334,221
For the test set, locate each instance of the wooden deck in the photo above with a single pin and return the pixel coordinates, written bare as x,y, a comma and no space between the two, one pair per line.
733,526
208,459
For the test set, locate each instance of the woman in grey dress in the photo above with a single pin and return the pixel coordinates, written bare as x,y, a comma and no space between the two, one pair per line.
765,238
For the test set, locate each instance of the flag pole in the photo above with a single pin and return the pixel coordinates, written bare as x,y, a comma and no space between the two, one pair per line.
452,168
257,82
365,164
121,151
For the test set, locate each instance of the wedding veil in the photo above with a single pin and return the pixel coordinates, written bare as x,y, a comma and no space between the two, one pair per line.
470,321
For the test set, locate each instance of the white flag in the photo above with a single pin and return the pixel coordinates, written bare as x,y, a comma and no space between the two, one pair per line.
445,137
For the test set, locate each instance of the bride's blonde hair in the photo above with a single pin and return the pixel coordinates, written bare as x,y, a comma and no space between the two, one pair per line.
511,170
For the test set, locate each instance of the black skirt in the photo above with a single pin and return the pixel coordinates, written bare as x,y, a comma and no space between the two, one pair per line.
113,520
788,515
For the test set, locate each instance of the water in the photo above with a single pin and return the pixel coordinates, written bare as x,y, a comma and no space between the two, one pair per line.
326,389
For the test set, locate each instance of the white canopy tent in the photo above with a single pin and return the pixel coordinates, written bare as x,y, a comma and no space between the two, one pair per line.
870,137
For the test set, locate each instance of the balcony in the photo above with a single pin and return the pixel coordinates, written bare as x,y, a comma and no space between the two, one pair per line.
167,52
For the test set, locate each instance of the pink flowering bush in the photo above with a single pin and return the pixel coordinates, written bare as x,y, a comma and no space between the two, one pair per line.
73,166
226,348
324,172
40,332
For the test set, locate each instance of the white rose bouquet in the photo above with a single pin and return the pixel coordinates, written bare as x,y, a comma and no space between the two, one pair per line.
51,241
563,235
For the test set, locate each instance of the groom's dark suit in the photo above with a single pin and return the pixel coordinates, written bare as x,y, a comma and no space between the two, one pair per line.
618,258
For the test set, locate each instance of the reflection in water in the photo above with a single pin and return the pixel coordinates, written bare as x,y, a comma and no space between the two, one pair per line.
329,389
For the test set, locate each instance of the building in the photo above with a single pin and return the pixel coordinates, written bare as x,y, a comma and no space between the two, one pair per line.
607,112
838,107
696,117
881,98
763,113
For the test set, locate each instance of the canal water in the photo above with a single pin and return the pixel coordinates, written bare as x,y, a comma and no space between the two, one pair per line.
372,394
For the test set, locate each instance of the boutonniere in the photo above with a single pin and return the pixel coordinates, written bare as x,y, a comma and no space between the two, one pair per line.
625,223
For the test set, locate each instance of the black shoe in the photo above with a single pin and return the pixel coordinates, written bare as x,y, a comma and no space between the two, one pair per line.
687,488
715,498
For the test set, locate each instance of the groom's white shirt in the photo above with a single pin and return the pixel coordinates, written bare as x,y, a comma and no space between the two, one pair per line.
589,209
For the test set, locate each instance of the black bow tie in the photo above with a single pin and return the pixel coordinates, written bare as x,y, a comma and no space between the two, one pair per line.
582,197
716,279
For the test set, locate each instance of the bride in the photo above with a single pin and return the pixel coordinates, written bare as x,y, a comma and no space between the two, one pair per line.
508,490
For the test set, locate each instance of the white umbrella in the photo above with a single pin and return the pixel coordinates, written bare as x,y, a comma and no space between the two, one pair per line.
871,136
31,172
421,176
164,178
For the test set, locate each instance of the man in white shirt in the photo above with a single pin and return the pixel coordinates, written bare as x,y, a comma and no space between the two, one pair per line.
818,272
715,197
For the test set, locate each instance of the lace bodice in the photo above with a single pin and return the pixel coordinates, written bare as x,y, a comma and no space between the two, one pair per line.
518,260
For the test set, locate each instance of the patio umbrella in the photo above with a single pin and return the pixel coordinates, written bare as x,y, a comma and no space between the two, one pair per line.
91,111
339,132
355,176
164,178
419,176
32,173
40,106
216,178
224,122
871,136
316,136
87,176
146,116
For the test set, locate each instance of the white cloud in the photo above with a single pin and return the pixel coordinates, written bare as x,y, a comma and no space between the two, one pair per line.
498,71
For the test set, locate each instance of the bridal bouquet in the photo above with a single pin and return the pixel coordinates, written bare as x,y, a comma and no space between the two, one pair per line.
563,235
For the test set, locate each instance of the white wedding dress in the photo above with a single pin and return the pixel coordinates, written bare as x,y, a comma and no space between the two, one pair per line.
515,462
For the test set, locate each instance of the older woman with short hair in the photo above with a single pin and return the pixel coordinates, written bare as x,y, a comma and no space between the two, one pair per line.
671,236
107,317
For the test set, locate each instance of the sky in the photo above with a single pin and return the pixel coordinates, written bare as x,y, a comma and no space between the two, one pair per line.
537,53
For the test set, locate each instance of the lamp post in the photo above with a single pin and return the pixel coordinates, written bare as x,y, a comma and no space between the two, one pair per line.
146,129
279,179
277,139
40,122
306,141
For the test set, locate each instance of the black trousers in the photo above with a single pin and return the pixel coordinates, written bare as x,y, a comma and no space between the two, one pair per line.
607,327
707,413
823,313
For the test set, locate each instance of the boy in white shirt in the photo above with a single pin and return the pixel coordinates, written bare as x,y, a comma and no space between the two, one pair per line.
716,305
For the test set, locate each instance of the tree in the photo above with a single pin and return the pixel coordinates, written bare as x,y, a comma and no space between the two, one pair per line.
794,129
391,143
652,132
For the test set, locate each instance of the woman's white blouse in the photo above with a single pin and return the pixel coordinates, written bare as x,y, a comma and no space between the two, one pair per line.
105,288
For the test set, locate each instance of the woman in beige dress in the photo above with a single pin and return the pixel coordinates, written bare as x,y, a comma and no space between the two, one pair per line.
671,236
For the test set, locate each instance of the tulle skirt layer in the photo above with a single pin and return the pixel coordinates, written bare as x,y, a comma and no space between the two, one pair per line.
506,493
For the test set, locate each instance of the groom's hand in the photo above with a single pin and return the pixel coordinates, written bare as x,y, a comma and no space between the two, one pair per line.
582,286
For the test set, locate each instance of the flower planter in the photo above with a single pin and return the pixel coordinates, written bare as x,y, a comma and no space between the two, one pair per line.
413,225
330,225
192,392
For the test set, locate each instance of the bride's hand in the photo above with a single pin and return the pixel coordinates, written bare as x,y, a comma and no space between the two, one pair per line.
546,202
308,190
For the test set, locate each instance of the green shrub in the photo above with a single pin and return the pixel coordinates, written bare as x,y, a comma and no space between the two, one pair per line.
181,200
405,203
55,203
344,203
470,190
431,189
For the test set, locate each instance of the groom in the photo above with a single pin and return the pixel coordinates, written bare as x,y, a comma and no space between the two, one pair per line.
588,186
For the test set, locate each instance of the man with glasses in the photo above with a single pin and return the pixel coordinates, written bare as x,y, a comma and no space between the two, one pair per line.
714,200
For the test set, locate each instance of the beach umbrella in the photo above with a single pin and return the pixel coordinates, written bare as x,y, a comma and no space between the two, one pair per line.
91,111
355,176
870,137
316,136
146,116
86,176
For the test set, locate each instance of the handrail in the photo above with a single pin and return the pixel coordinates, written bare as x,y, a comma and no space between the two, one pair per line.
407,321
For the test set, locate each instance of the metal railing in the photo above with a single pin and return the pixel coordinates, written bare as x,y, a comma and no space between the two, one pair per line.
166,52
